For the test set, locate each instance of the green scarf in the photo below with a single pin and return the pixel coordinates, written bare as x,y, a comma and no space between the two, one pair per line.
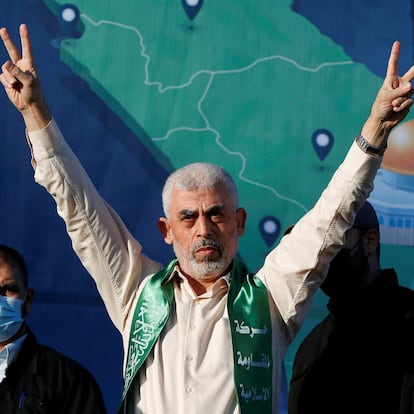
251,333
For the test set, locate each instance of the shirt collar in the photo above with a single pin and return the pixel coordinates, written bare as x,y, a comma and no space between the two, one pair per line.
8,354
178,274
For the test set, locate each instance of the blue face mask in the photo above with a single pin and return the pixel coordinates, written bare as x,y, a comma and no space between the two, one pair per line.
10,317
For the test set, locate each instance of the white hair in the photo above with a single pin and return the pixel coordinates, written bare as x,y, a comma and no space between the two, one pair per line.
195,176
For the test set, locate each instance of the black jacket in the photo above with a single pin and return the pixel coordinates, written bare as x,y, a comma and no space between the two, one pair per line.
360,358
43,381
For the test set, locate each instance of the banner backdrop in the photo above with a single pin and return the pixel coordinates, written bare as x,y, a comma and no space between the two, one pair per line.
274,91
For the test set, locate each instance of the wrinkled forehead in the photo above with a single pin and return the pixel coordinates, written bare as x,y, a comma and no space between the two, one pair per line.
7,275
5,268
201,198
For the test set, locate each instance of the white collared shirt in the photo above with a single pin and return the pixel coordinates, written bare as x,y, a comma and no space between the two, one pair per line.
8,354
196,346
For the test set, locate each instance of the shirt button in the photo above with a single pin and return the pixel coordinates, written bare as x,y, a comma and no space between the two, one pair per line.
188,390
190,358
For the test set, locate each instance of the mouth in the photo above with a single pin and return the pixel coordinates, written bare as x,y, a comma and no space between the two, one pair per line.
206,251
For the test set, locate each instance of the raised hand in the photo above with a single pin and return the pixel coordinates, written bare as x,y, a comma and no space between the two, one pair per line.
394,98
20,80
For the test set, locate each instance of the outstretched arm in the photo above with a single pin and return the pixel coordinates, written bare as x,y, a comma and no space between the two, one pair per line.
297,266
391,104
106,248
20,80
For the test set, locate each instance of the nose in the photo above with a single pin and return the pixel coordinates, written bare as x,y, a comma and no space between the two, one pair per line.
204,227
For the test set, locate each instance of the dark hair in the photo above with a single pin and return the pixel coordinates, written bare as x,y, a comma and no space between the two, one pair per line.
366,218
15,260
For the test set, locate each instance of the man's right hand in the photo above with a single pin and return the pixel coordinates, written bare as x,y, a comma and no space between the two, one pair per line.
21,83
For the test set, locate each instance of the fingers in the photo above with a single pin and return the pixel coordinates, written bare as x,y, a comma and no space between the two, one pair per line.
401,85
21,67
9,45
409,75
392,68
26,44
401,104
10,74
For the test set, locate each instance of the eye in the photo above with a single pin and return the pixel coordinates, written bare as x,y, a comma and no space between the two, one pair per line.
187,218
9,290
216,215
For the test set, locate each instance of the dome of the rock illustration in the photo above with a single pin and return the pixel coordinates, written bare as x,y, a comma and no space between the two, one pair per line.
399,156
393,194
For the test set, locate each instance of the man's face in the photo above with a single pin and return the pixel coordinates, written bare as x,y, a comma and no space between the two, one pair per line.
10,285
349,269
203,228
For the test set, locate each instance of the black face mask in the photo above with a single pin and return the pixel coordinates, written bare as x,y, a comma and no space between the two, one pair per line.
347,272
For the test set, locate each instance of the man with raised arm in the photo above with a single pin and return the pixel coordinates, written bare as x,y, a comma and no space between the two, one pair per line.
201,335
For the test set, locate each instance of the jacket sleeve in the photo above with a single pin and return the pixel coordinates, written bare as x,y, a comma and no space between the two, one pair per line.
104,245
294,270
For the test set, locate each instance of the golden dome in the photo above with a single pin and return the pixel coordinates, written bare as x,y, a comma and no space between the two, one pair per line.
399,156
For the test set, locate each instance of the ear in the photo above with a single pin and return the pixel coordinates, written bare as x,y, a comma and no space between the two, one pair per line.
372,240
27,305
241,221
165,229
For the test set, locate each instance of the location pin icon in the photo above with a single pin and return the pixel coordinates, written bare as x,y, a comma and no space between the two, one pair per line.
192,7
269,229
322,141
68,17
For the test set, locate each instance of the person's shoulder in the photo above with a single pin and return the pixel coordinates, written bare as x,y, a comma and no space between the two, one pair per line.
53,353
56,371
52,360
314,341
407,291
63,361
55,362
406,295
403,295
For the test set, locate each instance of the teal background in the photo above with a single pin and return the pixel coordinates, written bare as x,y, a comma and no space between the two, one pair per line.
139,89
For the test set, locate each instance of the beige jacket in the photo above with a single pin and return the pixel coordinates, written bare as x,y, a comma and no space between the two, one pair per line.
192,372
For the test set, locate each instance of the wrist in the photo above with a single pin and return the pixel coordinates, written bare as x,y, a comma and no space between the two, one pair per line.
36,116
368,148
376,132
